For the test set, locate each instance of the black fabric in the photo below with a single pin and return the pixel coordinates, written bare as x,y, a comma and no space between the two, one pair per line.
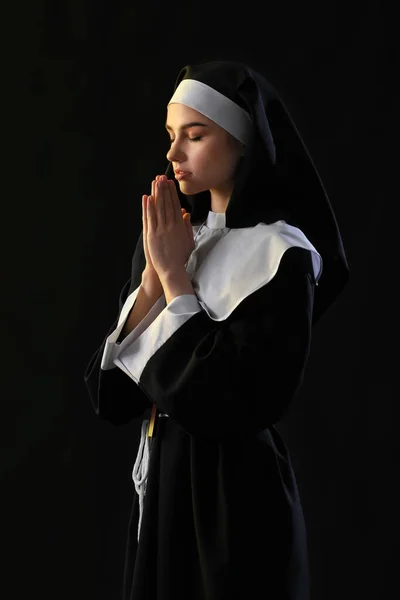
220,367
222,517
114,396
291,187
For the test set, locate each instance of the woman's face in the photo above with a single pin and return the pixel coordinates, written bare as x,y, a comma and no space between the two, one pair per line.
204,149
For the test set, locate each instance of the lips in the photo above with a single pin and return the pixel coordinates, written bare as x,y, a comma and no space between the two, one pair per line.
179,175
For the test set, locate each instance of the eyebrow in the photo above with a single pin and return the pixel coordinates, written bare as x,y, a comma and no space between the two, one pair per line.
187,125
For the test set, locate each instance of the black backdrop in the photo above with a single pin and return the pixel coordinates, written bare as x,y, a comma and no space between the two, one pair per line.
87,94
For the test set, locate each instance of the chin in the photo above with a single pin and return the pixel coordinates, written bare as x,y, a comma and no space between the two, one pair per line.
190,188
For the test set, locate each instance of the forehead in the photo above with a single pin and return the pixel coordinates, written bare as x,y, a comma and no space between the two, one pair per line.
177,114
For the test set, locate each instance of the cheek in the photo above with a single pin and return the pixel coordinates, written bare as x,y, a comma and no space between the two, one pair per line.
218,162
207,157
212,161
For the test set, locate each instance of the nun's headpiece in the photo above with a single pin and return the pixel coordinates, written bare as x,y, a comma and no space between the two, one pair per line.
244,103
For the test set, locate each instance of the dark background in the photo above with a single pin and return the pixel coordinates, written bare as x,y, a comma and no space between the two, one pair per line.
86,86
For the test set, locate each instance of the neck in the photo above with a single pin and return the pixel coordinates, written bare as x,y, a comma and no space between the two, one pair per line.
220,198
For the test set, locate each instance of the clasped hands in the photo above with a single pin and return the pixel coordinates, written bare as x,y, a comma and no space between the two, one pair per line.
167,231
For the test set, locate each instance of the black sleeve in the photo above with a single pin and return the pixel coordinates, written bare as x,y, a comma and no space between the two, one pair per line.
238,376
114,396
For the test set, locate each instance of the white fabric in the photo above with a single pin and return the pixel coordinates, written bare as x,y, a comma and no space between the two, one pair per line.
112,349
133,358
243,261
141,468
214,105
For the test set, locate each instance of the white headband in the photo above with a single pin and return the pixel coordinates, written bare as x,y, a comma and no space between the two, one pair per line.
214,105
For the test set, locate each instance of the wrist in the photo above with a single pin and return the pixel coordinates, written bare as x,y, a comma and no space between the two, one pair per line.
176,283
175,275
151,279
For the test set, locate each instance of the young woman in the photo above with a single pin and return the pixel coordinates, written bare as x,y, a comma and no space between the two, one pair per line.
240,255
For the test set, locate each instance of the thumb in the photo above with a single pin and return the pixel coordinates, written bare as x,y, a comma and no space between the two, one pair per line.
189,228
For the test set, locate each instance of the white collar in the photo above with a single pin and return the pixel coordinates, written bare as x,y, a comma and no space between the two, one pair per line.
215,220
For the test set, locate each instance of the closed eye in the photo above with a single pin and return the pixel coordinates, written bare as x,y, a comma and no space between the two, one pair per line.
195,139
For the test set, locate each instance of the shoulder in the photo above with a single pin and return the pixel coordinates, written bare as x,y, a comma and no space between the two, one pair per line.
296,260
297,255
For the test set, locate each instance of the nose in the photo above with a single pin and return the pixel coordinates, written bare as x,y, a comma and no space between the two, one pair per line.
174,154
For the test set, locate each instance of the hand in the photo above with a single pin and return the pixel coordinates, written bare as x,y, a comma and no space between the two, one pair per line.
149,268
169,236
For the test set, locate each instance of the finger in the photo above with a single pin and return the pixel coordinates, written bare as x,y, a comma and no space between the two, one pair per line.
172,189
189,228
150,215
144,213
170,216
159,208
188,222
153,190
174,198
